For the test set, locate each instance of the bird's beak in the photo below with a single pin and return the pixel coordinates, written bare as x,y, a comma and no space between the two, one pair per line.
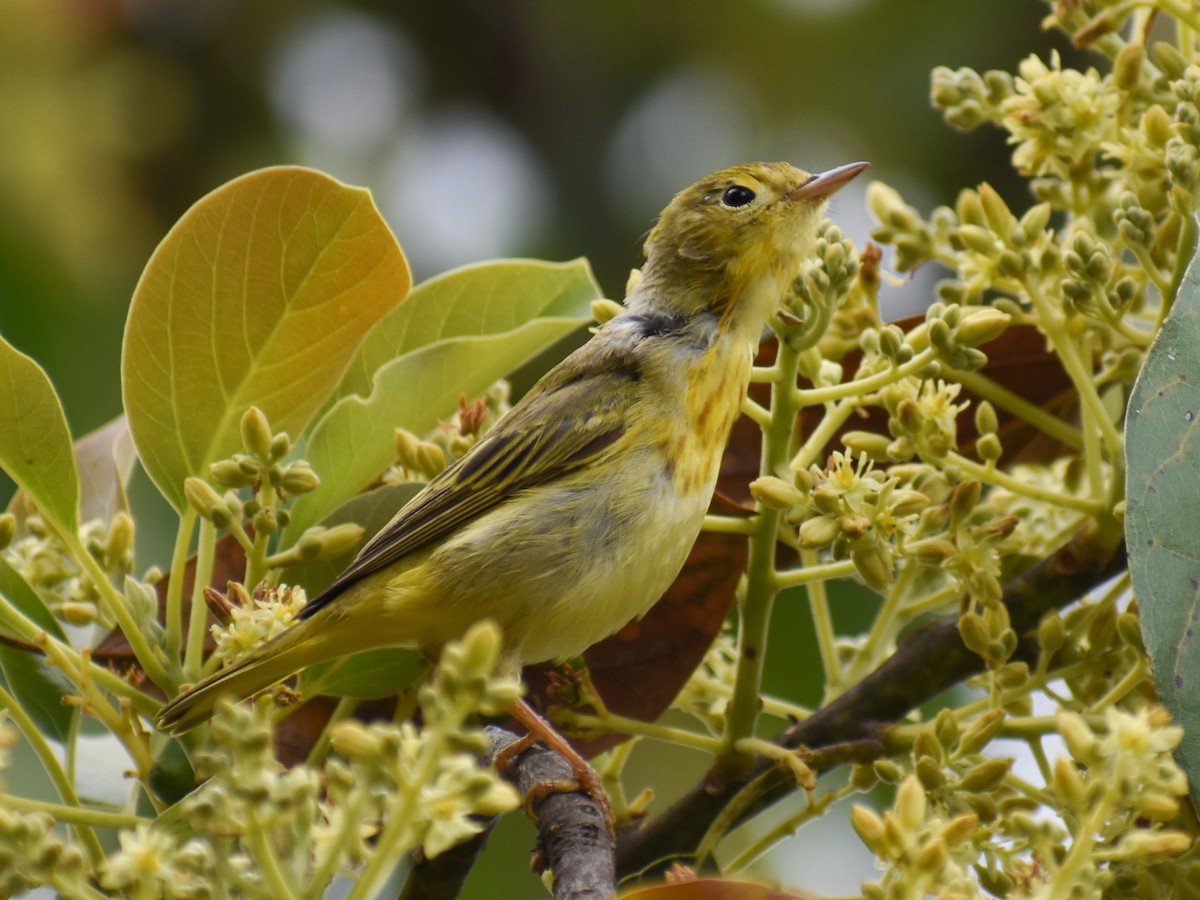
822,185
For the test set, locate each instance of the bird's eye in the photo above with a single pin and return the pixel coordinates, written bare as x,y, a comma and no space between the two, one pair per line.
737,196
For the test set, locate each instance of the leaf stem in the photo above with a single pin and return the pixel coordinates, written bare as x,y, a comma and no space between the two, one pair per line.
174,601
58,777
193,661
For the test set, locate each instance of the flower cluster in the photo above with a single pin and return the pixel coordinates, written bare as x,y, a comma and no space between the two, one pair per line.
251,621
961,820
423,459
262,830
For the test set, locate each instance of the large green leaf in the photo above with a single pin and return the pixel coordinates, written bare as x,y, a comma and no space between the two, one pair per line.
352,442
20,595
40,690
38,687
1163,494
478,299
259,295
35,443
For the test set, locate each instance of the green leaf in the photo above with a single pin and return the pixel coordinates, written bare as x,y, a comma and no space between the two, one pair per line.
353,442
259,295
479,299
39,689
35,443
1163,495
365,676
20,595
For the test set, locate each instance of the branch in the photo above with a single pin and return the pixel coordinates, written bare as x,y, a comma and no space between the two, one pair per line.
573,839
929,661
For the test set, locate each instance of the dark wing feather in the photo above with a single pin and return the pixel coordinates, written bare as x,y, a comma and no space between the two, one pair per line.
567,420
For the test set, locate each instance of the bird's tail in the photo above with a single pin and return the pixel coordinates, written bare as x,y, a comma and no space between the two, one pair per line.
299,647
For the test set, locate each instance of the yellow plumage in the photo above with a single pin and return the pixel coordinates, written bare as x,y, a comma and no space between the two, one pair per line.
578,509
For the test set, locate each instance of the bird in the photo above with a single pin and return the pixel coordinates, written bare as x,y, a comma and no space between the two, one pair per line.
573,514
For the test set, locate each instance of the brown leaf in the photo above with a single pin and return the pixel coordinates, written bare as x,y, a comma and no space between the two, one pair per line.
229,564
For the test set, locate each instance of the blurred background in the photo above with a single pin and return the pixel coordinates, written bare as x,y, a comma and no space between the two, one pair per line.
483,127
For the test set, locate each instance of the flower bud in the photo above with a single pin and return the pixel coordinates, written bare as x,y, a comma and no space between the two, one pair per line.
298,478
817,533
1078,736
872,560
986,420
232,474
989,448
119,543
887,771
974,634
910,804
1127,69
982,326
986,775
256,433
869,828
868,442
774,493
930,774
999,219
978,239
207,502
1156,123
8,529
980,733
1152,845
933,857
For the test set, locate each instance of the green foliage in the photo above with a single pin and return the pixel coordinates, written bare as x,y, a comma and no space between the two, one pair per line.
1164,556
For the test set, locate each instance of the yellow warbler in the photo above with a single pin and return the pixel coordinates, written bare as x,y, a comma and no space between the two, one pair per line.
577,510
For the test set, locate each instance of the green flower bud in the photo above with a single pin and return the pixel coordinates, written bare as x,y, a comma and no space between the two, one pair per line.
978,239
817,533
281,446
1156,124
933,857
1051,633
870,830
927,746
986,775
1169,59
888,771
1077,735
232,474
999,218
930,774
930,551
78,614
910,804
298,478
945,727
986,420
872,561
960,829
868,442
207,502
989,448
774,493
973,633
1036,219
256,433
1127,69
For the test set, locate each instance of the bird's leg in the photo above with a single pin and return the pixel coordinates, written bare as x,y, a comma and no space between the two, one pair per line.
586,779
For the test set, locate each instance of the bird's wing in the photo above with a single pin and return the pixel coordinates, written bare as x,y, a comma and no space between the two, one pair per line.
568,420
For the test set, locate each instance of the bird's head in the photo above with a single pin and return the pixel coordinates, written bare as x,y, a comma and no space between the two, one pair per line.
733,242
